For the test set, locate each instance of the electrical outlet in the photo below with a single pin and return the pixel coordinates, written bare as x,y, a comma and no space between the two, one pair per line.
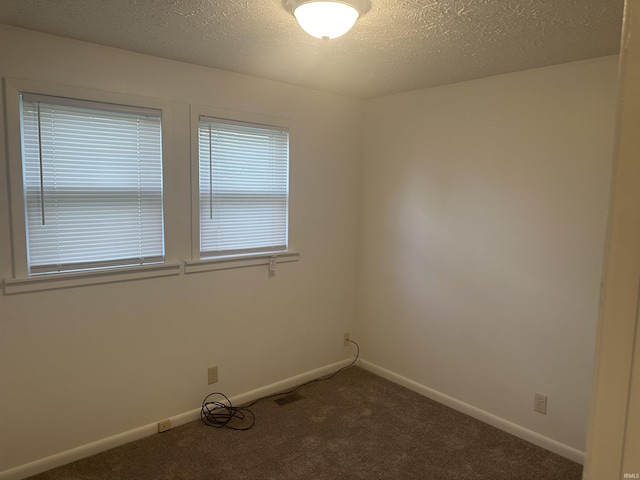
164,425
540,403
346,339
213,374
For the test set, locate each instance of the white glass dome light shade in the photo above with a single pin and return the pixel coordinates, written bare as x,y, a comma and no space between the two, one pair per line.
326,20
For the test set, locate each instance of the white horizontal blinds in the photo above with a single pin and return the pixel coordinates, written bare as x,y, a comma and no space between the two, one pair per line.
92,183
244,187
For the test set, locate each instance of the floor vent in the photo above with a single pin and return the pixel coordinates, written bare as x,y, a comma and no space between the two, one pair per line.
291,397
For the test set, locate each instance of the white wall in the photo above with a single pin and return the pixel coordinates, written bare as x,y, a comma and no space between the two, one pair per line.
82,364
483,212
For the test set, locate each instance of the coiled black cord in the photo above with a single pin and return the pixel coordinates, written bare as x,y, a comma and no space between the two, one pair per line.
220,413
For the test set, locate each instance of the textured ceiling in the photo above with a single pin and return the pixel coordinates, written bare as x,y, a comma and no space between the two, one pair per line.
398,45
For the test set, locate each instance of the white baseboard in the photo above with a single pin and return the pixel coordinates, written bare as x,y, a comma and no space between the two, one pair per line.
93,448
540,440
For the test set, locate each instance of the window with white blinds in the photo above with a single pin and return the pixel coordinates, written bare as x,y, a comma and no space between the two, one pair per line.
92,184
244,187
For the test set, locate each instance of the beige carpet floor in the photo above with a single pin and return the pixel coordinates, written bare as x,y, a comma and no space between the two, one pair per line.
353,426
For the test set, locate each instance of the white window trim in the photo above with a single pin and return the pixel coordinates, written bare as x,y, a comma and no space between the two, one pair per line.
21,281
239,261
196,264
56,281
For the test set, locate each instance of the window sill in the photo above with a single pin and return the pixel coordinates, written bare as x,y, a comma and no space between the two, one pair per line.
238,261
67,280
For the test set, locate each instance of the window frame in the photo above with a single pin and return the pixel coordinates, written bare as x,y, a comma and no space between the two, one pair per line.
239,260
21,281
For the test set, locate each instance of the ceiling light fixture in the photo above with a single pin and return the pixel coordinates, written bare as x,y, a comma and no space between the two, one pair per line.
329,18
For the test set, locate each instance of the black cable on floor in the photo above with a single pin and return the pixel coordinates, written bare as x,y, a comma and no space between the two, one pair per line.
217,410
216,413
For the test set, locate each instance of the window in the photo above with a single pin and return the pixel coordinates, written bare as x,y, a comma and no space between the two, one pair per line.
86,197
92,184
243,179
